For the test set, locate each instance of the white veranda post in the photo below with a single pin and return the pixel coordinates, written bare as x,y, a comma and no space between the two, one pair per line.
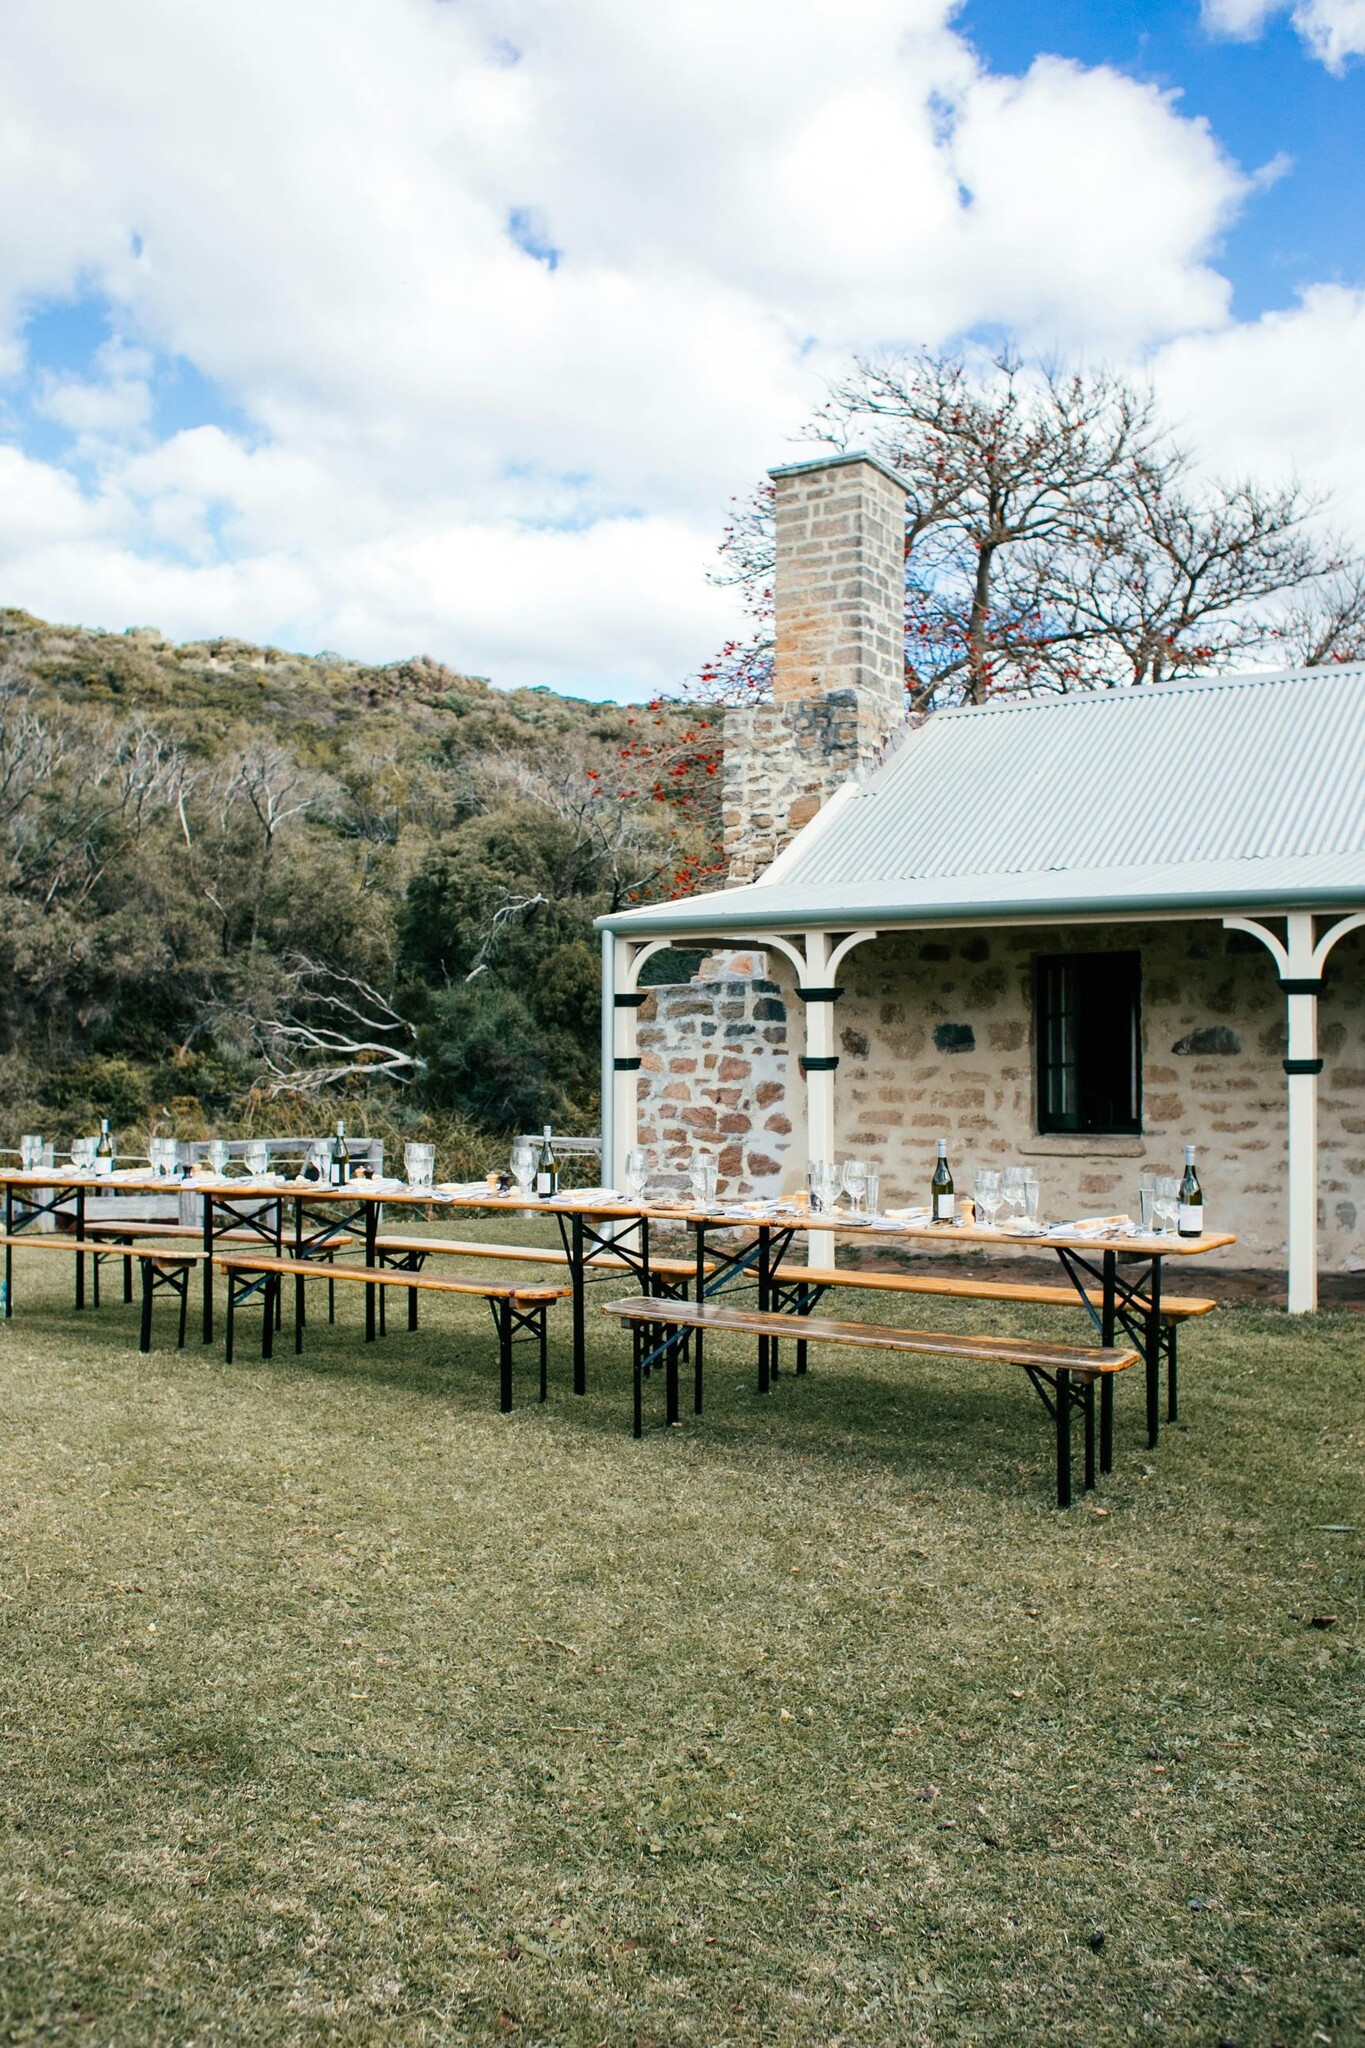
817,961
622,1028
1301,957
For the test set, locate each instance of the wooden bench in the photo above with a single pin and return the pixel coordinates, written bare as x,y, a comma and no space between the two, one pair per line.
120,1240
161,1270
1063,1375
801,1287
517,1309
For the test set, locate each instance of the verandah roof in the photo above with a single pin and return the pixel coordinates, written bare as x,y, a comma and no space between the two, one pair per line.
1241,792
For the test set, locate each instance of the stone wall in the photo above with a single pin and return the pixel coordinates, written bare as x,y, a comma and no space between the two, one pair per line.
715,1077
935,1039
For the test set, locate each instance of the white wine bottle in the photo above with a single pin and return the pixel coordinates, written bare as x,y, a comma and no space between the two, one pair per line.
1191,1221
547,1169
104,1149
341,1158
941,1193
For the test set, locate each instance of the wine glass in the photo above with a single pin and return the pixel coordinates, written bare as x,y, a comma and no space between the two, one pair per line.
257,1159
986,1192
635,1173
218,1156
83,1154
524,1164
820,1179
854,1181
1012,1193
1167,1191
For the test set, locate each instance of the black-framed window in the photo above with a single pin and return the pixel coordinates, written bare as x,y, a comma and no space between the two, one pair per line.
1088,1031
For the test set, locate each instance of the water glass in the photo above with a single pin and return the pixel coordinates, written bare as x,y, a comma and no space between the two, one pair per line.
854,1179
419,1163
1147,1204
30,1154
218,1155
702,1175
635,1173
986,1193
161,1155
257,1159
1012,1193
1030,1197
872,1189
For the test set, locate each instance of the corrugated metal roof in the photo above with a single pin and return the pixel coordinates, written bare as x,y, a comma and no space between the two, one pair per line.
1245,790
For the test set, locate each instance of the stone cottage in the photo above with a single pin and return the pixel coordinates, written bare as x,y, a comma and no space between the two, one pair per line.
1076,931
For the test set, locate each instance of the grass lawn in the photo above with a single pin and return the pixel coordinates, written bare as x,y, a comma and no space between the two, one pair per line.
337,1707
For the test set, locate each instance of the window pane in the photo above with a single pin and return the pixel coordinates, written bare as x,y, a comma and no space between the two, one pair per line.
1088,1038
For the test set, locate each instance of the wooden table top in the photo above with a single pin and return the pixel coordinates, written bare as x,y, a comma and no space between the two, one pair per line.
720,1216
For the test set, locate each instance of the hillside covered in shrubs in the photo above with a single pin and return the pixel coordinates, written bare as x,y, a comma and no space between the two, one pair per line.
255,889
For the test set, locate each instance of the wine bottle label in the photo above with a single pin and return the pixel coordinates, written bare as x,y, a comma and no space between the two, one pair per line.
103,1164
1191,1219
943,1208
545,1182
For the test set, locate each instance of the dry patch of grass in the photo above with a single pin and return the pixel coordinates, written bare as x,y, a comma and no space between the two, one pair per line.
336,1706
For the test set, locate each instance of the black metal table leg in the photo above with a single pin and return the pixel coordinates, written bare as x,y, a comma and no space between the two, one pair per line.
671,1373
1152,1348
1062,1402
371,1259
578,1277
208,1276
698,1336
764,1303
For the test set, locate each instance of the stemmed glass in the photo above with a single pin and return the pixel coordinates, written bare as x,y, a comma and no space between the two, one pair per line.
83,1154
635,1173
823,1185
257,1159
1012,1193
1167,1192
524,1164
987,1193
218,1156
855,1183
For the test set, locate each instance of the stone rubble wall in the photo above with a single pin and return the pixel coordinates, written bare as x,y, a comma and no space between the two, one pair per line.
935,1035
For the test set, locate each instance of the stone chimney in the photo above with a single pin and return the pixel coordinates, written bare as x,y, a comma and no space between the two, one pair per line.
839,668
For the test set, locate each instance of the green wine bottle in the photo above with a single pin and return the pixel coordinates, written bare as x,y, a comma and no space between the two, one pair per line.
1191,1220
547,1169
941,1194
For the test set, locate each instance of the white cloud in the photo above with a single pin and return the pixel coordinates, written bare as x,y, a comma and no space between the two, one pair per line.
450,443
1334,30
1278,396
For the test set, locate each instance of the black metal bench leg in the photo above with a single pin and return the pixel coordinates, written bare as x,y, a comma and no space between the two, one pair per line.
127,1277
504,1311
145,1339
230,1319
637,1336
1062,1403
696,1375
1107,1423
671,1374
1090,1434
412,1308
272,1288
184,1292
331,1301
1172,1388
543,1333
300,1292
95,1279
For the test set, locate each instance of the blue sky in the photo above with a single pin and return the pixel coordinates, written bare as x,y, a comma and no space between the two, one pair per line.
1264,98
324,322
